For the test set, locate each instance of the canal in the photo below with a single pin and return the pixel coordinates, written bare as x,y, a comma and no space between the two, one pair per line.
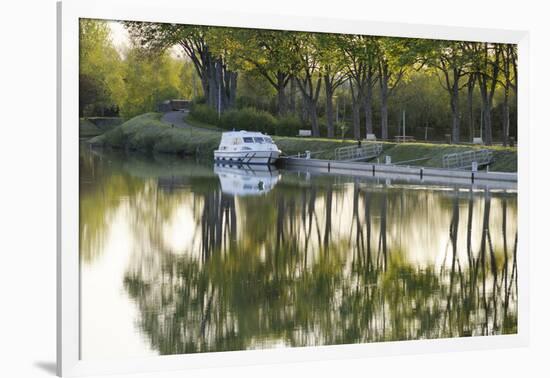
180,256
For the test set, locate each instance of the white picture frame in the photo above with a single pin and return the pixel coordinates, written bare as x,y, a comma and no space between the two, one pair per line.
69,13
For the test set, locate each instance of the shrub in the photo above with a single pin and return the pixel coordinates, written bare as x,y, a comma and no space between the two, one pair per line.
248,119
288,126
204,113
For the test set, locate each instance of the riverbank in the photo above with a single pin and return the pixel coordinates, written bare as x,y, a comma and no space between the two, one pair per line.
148,133
94,126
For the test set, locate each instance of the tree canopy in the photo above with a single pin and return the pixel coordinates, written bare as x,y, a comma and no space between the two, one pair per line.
357,83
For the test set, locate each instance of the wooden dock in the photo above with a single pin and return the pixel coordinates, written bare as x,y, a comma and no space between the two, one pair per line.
411,174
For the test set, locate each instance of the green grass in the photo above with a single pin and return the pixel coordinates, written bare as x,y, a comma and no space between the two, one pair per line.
148,133
93,126
321,148
87,129
197,123
505,158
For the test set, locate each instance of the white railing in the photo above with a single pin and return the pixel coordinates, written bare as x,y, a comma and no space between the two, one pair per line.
364,152
465,160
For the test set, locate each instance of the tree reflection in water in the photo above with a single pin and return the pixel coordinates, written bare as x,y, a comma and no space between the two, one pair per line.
325,261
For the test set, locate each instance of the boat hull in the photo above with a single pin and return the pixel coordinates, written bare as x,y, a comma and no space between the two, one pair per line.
246,157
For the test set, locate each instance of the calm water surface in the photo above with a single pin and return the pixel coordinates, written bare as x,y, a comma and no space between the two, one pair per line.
182,257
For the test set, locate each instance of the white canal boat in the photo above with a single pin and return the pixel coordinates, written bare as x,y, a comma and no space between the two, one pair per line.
246,147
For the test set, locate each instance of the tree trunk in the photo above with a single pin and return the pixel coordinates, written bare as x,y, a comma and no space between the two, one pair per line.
487,85
508,65
304,110
506,117
355,108
330,108
310,89
212,99
384,107
232,88
455,127
471,87
368,107
292,103
487,127
356,120
281,95
314,119
220,92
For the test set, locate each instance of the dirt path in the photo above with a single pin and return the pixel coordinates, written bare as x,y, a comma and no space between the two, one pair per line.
177,118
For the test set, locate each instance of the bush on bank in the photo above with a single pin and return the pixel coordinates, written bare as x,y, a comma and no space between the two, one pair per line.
247,118
148,133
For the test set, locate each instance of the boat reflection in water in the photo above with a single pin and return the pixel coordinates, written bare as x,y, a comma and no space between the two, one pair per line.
247,180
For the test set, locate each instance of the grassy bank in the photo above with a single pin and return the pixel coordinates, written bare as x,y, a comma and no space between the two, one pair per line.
505,157
87,129
94,126
148,133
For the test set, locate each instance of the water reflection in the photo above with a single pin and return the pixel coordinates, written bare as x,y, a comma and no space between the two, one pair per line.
312,261
245,180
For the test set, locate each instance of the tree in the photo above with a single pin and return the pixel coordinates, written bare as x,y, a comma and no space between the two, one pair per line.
308,74
360,65
268,53
470,85
332,68
486,63
91,91
451,60
394,57
100,68
509,71
219,83
149,80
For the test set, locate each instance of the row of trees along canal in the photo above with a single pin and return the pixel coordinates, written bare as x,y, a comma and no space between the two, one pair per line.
309,74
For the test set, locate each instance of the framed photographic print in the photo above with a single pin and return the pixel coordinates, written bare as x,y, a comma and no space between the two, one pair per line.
254,189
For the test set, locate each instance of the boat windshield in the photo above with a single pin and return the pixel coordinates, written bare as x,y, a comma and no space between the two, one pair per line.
257,140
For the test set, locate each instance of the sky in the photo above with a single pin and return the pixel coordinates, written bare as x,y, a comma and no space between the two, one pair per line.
119,35
121,39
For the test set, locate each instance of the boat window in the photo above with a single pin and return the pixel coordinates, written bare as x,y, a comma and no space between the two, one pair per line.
268,140
258,140
237,141
248,140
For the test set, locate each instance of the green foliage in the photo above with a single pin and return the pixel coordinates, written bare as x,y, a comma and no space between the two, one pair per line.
288,125
396,74
134,83
100,69
205,113
248,119
149,81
